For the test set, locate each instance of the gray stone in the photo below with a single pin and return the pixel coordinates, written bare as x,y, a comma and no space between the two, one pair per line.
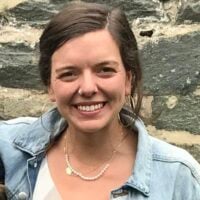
134,8
184,115
18,66
171,66
190,10
3,19
33,13
37,14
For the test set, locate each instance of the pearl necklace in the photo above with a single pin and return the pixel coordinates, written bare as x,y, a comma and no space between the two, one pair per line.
71,171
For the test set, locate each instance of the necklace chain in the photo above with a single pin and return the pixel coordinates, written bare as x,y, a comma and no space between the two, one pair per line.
71,171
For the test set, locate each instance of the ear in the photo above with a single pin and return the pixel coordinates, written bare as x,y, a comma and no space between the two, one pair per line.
128,83
51,94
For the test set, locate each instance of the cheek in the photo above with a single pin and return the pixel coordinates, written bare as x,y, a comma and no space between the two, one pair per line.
61,92
116,90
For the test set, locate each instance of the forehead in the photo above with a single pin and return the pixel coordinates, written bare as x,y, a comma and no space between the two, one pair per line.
93,45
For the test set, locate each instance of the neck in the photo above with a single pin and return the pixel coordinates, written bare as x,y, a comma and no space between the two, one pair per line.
93,148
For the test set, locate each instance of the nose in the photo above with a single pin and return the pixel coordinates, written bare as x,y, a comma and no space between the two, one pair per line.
88,85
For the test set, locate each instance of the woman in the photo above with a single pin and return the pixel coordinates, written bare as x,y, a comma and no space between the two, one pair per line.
92,145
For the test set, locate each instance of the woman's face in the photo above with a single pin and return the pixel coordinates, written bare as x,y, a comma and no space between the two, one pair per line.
89,82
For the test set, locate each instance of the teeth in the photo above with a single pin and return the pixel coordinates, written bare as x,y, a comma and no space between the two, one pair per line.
91,107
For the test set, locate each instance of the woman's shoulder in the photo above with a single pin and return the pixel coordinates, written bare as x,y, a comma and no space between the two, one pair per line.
11,128
169,152
175,158
165,153
173,168
165,157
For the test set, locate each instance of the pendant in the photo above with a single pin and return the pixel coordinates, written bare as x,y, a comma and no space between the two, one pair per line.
68,171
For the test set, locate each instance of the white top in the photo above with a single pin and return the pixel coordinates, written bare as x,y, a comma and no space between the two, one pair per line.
44,187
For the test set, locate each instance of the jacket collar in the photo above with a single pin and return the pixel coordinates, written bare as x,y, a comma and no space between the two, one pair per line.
141,174
140,178
35,139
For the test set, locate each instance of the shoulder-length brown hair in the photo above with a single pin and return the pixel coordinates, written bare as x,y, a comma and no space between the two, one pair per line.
78,18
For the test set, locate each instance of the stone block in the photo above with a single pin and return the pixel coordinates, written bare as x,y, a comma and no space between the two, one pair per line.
32,12
180,114
134,8
37,13
189,11
171,65
18,102
18,66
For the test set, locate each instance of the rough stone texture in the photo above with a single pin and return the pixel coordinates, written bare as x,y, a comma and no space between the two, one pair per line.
180,11
134,9
17,103
168,32
18,66
184,115
171,66
5,4
171,63
35,13
190,10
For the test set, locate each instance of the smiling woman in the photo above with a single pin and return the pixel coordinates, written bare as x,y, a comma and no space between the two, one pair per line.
93,144
87,73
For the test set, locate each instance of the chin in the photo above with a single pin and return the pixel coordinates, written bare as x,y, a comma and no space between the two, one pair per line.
90,127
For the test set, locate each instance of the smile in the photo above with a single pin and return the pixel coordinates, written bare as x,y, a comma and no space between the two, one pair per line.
90,108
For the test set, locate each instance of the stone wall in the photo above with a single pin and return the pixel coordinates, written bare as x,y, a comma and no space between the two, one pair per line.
168,33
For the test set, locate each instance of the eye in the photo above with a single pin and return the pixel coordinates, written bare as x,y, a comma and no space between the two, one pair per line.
106,71
68,75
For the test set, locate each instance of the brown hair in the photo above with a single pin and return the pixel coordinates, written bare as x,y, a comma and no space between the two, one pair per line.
2,192
78,18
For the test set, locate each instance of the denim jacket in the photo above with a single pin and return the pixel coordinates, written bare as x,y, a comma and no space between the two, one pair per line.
161,171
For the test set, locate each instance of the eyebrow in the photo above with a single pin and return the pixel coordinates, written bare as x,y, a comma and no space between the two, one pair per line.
109,62
65,68
68,67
